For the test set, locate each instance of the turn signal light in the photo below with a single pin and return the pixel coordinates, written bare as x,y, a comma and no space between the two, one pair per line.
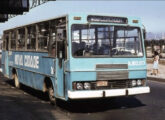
135,21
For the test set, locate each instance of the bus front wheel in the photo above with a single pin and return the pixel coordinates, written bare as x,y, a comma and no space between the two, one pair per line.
51,95
16,81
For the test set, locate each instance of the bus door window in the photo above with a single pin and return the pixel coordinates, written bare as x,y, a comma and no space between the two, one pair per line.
61,38
52,40
31,41
21,39
43,36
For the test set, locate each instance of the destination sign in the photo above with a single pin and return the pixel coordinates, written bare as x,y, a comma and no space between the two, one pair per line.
107,19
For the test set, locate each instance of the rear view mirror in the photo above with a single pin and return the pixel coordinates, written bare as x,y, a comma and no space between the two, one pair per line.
144,34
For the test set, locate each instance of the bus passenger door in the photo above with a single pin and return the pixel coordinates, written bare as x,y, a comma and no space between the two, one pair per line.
60,39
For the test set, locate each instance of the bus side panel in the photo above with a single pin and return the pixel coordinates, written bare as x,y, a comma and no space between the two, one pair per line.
32,75
68,84
60,79
38,81
27,79
5,63
31,79
138,74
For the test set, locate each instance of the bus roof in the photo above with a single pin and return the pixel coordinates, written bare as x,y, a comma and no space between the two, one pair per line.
70,14
48,19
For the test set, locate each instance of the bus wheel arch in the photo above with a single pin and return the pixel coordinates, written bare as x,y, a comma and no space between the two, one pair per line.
48,87
15,78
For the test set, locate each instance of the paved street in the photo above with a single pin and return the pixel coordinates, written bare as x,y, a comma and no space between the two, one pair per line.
28,104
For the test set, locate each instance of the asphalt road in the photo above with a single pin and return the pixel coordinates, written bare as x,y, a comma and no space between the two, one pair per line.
29,104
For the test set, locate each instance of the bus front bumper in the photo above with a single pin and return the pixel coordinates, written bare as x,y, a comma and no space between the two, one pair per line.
107,93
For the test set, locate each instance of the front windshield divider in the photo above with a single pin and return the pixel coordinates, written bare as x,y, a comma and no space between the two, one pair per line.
110,44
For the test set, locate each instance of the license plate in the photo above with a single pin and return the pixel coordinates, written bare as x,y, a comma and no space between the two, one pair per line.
102,83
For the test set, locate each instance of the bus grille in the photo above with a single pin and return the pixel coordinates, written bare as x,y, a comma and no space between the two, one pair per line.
121,74
115,84
112,66
113,75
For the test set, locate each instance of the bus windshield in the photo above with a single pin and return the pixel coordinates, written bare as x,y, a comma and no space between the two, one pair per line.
106,41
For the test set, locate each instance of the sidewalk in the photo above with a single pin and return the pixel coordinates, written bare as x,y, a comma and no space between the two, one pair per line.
160,77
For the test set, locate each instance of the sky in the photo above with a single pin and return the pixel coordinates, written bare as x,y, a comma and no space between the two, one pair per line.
152,13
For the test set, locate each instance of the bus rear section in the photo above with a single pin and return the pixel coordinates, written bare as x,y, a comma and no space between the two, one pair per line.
107,58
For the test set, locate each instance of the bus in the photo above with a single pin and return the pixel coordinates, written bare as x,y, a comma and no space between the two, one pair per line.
78,56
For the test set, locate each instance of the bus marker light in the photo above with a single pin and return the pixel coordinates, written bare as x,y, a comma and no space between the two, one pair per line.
77,18
135,21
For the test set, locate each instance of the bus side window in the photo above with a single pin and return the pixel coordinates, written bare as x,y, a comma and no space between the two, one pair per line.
21,39
31,41
43,36
13,40
53,51
61,43
6,41
52,45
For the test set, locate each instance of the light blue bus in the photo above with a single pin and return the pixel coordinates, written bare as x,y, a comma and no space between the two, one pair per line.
78,56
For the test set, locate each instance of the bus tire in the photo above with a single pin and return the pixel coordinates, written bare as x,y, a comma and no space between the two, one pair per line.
16,81
51,95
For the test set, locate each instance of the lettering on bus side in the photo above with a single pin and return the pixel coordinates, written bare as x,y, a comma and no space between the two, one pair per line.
18,60
27,61
136,63
31,61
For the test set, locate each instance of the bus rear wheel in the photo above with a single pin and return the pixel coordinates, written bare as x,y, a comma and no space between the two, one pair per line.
51,95
16,81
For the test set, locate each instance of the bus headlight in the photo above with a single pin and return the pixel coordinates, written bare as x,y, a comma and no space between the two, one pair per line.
139,82
87,86
133,83
79,86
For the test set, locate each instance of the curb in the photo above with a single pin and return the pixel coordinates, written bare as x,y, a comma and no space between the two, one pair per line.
156,79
